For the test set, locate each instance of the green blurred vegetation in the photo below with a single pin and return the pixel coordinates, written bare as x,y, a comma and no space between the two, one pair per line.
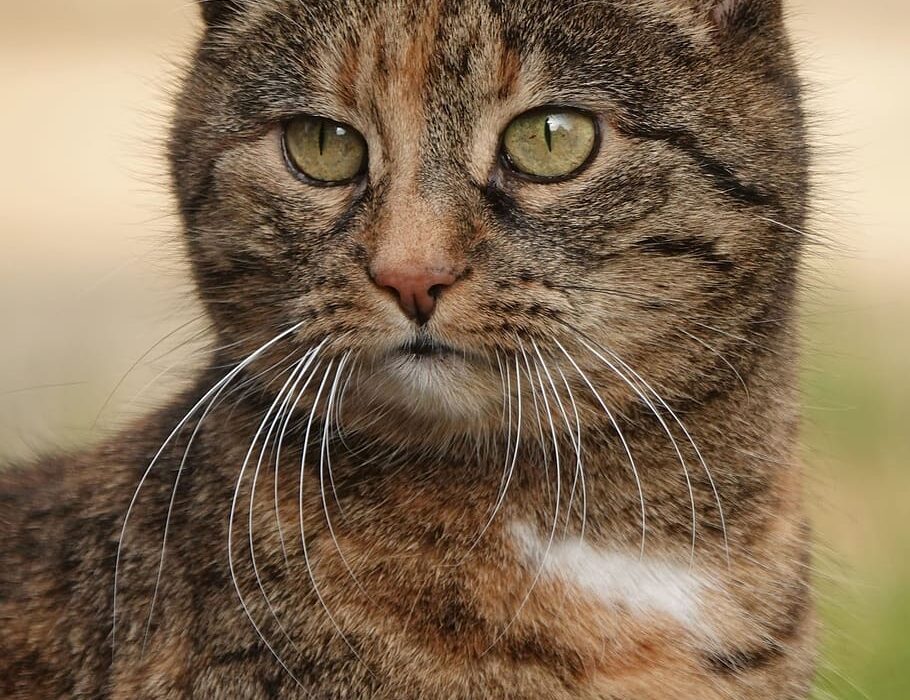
857,393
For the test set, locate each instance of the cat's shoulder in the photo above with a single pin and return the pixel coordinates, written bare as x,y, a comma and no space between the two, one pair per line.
75,486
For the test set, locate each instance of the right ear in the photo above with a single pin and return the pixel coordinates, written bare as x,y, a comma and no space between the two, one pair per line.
216,12
742,17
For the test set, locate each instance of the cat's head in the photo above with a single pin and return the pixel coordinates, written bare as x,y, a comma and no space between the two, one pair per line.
462,194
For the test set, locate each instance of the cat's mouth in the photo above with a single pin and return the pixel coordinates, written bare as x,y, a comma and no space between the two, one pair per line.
424,348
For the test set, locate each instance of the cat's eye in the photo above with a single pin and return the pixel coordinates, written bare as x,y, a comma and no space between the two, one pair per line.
550,144
325,151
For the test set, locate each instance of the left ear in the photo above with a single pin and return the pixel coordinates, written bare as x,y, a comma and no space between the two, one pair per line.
216,12
743,17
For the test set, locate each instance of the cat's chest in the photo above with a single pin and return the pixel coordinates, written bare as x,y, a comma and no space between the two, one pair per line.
372,611
519,613
411,601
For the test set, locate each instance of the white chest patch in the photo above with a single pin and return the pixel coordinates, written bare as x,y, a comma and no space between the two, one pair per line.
638,585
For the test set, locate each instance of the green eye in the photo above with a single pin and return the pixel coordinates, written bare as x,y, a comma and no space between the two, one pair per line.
550,143
325,151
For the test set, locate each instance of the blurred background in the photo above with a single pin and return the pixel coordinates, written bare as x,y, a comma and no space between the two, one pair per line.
98,320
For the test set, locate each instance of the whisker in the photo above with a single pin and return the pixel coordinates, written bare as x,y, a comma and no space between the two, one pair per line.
292,400
540,429
306,555
579,465
701,459
167,522
720,356
301,368
324,462
502,382
283,394
552,537
139,360
339,411
334,414
510,472
576,440
734,336
654,410
233,572
214,391
612,418
507,400
647,299
251,385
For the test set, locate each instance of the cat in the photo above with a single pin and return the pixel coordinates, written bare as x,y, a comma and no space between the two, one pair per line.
503,401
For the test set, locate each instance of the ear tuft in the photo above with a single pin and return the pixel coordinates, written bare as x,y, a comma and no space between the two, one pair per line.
744,16
216,12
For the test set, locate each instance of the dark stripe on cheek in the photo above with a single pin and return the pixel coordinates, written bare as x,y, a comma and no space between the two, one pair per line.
688,246
722,175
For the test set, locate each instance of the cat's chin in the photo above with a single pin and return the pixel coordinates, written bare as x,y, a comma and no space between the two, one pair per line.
440,389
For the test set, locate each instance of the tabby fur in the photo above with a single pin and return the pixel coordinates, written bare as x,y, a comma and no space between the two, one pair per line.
650,540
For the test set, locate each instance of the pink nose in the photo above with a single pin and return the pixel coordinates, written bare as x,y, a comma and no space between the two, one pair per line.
417,291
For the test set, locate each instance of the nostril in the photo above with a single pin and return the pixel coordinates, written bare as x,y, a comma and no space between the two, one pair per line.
392,290
437,289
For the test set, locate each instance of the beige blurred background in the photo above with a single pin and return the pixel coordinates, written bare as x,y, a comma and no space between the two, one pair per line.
91,275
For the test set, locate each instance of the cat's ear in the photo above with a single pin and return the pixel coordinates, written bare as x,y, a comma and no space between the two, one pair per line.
216,12
743,17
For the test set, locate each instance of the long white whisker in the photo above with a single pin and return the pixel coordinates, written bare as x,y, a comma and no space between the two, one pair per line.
576,439
294,396
701,459
306,554
282,395
666,428
540,429
338,389
239,593
214,391
167,523
612,418
324,462
556,513
508,415
510,469
339,411
234,505
579,464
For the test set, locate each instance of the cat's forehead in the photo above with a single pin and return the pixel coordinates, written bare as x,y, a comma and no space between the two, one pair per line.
450,37
455,58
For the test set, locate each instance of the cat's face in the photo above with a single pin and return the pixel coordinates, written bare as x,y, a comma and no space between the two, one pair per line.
667,237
